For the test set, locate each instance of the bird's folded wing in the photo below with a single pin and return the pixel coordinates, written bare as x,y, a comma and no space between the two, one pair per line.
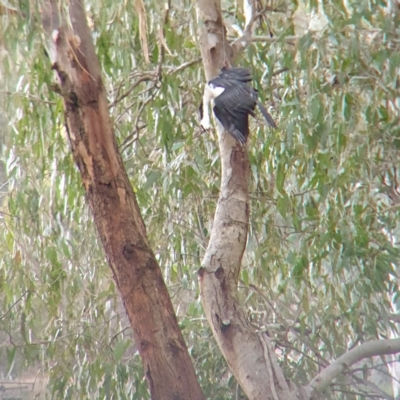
232,108
236,100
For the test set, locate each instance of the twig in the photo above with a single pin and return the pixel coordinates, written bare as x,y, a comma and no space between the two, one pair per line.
360,392
280,71
269,39
130,138
394,318
29,96
370,386
183,66
14,304
321,360
146,77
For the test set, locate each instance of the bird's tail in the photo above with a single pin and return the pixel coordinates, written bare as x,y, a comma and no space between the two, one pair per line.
266,115
238,136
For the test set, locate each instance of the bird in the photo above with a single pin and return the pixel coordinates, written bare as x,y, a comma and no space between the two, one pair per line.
234,100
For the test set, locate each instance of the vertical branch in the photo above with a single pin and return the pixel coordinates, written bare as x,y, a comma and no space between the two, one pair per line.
214,47
249,11
250,356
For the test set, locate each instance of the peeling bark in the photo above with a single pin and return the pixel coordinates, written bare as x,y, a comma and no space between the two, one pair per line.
167,365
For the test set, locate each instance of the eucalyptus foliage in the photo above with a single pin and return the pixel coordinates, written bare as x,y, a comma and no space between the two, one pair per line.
319,273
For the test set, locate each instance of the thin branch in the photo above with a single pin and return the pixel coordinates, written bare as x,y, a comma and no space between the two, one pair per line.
376,367
14,304
119,333
29,97
269,39
45,342
359,392
183,66
131,138
370,386
247,37
251,16
394,318
321,360
249,11
146,77
9,215
280,71
368,349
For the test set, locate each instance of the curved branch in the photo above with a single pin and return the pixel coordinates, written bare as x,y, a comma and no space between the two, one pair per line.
369,349
249,354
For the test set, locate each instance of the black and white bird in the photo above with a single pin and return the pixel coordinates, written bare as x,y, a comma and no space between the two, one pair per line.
234,99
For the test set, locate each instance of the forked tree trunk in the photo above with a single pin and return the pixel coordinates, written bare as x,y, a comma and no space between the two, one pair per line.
167,365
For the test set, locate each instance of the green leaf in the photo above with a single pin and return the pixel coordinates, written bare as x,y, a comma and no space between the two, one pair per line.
280,178
119,349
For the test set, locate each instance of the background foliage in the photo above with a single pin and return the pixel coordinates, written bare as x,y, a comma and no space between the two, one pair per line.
319,273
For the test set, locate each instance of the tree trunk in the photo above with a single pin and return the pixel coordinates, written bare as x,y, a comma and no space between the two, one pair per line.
249,354
167,365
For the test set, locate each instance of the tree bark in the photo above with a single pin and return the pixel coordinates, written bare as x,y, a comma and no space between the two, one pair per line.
167,365
249,354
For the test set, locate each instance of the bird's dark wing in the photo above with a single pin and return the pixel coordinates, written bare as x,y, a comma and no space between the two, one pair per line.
238,74
238,127
236,99
232,109
231,77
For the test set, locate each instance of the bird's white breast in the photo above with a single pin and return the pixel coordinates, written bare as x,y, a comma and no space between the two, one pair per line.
215,90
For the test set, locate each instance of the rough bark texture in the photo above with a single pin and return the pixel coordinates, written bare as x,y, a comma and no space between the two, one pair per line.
249,354
167,365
